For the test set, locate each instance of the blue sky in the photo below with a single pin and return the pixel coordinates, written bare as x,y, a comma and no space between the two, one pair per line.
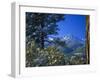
74,25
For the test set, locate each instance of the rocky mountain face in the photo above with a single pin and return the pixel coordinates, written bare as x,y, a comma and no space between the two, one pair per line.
71,44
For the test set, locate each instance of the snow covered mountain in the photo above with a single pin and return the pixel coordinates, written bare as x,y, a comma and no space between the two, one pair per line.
72,41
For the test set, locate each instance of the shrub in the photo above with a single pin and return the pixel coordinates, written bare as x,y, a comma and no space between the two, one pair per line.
49,56
43,57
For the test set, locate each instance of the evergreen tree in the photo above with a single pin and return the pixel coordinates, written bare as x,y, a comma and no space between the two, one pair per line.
40,25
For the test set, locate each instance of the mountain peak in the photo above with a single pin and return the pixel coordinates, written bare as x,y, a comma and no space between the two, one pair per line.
68,36
72,37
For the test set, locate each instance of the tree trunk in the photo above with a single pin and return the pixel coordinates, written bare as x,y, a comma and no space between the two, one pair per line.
42,40
87,39
42,35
